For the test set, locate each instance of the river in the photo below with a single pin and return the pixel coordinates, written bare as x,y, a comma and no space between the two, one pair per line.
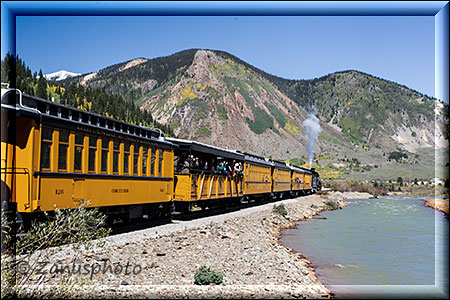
390,247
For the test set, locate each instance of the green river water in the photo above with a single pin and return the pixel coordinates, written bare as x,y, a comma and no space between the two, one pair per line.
389,247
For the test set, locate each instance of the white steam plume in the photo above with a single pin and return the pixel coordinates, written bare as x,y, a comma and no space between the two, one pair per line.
312,129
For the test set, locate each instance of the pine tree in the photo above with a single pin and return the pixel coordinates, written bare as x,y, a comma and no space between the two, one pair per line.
8,74
41,90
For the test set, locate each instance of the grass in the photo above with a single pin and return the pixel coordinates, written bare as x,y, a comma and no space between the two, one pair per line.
222,112
175,124
330,139
394,170
203,131
355,186
262,120
425,190
292,128
384,187
279,116
200,116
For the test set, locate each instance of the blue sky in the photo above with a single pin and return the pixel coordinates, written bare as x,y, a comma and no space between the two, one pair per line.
400,49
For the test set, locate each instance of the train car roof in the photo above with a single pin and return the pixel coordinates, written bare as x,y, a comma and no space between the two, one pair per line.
255,159
205,148
280,164
306,170
296,168
72,118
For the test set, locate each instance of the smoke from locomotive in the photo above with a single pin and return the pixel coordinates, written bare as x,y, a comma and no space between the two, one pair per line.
312,129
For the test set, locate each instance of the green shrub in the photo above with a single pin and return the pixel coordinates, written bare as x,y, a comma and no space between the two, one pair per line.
203,131
331,204
280,209
204,276
397,155
80,227
297,161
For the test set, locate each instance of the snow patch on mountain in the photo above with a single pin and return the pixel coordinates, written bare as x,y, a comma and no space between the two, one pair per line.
60,75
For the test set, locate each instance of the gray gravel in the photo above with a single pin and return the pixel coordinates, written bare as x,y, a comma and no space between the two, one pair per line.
180,226
161,261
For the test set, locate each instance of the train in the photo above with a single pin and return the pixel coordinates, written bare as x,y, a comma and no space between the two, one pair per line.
55,156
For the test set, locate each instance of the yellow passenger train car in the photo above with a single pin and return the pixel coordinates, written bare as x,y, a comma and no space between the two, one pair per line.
257,177
307,184
206,176
297,180
55,156
281,174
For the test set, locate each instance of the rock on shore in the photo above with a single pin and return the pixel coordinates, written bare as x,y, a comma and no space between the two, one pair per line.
242,245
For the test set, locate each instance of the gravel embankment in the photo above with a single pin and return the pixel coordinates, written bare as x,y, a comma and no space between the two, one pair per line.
161,261
440,204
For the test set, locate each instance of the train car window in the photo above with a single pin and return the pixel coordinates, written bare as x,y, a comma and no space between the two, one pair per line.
116,148
136,159
144,160
62,150
46,145
64,136
126,157
47,133
152,163
105,149
92,152
160,165
78,158
65,113
53,110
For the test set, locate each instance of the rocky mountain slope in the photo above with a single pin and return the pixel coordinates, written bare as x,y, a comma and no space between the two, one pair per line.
216,98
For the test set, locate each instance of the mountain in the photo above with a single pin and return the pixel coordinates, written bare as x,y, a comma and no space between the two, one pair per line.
216,98
60,75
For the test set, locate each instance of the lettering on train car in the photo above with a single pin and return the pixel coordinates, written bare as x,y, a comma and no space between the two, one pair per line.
119,191
59,191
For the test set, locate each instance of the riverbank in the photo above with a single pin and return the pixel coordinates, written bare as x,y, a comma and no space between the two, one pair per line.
351,257
441,204
243,245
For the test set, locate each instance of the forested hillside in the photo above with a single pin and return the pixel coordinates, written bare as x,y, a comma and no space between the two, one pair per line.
93,99
133,79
